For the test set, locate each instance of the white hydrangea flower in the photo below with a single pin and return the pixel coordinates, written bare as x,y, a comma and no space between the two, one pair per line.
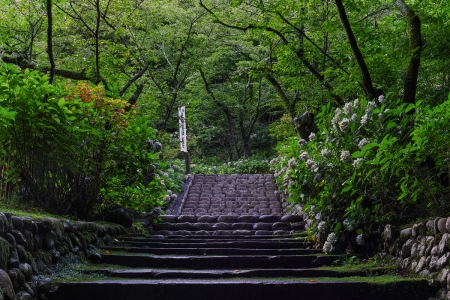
356,103
360,240
312,136
292,163
356,162
354,118
325,153
166,198
304,155
302,142
347,224
381,98
327,248
343,125
348,108
321,226
362,143
364,119
332,238
346,157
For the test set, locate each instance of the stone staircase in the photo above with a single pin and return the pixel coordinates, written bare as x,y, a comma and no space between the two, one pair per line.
230,247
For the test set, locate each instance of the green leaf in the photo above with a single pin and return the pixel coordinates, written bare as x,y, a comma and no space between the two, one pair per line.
337,227
61,102
359,231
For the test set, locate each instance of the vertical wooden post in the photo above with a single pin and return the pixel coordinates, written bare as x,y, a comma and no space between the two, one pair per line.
188,162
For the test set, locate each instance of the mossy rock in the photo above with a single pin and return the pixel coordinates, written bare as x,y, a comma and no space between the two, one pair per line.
30,239
43,256
5,251
24,255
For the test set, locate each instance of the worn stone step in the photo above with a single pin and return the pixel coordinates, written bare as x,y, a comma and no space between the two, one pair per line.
231,219
221,232
228,226
218,274
214,251
288,237
213,238
240,289
219,244
220,262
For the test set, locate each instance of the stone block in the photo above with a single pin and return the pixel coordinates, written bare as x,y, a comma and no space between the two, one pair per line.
184,226
187,218
291,218
269,219
242,226
227,219
248,219
221,226
207,219
202,226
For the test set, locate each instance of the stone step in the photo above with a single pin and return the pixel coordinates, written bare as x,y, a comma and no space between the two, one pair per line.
227,232
230,219
213,251
229,226
220,262
224,238
218,274
218,244
239,289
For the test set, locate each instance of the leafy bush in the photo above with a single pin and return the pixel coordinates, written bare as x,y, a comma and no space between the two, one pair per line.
71,149
367,165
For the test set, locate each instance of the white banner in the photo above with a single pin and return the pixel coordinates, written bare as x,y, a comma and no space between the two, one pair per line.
182,122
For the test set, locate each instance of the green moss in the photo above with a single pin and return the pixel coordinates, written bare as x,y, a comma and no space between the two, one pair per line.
45,257
5,251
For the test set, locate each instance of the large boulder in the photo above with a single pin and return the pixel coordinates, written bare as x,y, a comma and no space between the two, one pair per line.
6,284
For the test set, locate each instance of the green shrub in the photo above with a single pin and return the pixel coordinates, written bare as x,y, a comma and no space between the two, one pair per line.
367,165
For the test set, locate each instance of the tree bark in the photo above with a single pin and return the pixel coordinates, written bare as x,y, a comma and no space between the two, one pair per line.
415,49
367,81
50,40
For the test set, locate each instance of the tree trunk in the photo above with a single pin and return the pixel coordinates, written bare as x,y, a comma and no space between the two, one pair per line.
415,49
369,90
50,40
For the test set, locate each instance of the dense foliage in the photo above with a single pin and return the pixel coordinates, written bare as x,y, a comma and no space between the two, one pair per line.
72,149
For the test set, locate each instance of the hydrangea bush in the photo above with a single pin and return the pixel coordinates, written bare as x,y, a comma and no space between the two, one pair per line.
365,166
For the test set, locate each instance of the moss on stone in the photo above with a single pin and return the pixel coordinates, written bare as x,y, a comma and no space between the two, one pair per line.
43,256
5,251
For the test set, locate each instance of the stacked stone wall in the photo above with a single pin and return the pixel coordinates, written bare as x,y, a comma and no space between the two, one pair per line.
423,250
29,247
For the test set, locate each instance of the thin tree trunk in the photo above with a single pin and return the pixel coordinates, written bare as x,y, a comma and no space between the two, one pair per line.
367,81
415,49
50,40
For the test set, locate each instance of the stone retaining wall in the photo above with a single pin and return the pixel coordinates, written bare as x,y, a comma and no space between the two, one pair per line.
423,249
28,247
